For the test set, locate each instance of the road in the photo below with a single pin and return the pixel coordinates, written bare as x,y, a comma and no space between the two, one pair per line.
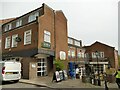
19,85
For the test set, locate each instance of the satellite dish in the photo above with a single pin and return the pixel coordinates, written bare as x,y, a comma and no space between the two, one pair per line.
17,39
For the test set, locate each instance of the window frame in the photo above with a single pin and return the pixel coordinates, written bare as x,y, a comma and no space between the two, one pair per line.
14,43
47,36
7,42
29,36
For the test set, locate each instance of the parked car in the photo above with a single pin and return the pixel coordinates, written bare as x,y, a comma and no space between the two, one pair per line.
10,71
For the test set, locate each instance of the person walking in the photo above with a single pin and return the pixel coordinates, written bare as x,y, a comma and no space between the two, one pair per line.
117,76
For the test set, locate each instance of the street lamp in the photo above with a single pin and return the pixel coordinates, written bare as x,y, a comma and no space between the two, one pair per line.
97,54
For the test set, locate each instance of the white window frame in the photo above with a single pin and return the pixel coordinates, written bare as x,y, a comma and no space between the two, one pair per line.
7,42
77,43
73,53
70,41
14,43
47,36
32,17
101,54
27,37
93,55
8,27
18,23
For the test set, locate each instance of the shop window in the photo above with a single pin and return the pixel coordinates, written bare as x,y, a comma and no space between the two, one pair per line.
7,42
47,36
27,37
14,43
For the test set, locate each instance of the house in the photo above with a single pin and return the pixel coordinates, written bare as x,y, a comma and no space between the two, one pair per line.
36,39
102,56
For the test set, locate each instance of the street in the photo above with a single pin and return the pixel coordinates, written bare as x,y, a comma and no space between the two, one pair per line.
19,85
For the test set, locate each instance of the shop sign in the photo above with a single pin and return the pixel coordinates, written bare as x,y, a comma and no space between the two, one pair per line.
46,45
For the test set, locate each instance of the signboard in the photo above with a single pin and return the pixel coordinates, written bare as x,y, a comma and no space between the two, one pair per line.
62,55
46,45
57,76
65,74
61,75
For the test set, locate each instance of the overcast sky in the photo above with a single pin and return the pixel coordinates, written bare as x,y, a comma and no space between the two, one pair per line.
88,20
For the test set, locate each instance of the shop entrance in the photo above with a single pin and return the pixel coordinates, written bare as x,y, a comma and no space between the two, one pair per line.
42,67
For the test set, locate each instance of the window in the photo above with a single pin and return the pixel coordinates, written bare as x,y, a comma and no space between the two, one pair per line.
32,17
27,37
7,42
77,43
8,27
69,53
14,43
102,54
18,23
47,36
93,55
73,53
70,41
79,55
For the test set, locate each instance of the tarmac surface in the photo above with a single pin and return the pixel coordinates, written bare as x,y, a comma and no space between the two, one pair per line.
69,83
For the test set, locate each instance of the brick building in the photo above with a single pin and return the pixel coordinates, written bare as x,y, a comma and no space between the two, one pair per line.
36,38
107,56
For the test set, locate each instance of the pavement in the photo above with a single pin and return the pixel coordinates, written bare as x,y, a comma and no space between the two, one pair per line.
69,83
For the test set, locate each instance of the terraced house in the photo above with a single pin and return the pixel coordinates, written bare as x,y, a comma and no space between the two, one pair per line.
36,38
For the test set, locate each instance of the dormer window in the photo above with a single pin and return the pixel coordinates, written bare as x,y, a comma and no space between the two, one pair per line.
18,23
70,41
77,43
8,27
32,17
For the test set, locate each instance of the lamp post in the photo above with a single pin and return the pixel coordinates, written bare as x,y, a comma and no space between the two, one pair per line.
97,54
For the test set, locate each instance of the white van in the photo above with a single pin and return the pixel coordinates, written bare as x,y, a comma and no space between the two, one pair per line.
10,70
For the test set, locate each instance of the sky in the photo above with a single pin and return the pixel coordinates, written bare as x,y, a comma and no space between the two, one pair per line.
88,20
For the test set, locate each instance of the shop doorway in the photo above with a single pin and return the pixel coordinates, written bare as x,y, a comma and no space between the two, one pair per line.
42,67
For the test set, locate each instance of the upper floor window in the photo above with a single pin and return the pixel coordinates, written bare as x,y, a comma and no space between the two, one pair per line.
27,37
77,43
93,55
8,27
47,36
7,42
14,43
102,54
73,53
18,23
86,55
32,17
70,41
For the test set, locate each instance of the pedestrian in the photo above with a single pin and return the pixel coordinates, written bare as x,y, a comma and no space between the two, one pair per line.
117,76
105,78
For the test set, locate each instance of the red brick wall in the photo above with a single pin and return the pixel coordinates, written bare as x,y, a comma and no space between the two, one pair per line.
20,32
61,34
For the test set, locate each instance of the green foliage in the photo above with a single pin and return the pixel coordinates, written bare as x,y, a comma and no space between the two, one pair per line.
59,65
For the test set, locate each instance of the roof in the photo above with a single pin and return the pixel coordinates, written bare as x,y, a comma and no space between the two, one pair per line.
98,43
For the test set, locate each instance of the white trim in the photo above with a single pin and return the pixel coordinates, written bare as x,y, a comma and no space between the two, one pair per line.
98,62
